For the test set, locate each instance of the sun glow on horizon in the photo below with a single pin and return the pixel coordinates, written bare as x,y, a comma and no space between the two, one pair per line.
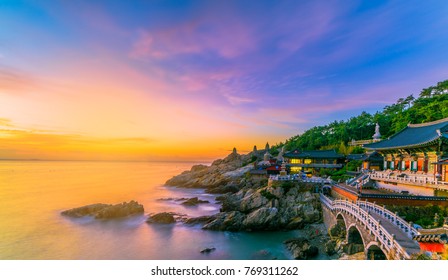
160,81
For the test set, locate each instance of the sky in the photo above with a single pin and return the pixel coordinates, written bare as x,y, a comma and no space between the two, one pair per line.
190,80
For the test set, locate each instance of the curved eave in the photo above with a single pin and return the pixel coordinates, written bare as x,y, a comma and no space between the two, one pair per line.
309,157
414,146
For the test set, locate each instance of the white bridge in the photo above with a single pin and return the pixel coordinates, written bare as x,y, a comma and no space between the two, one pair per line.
379,228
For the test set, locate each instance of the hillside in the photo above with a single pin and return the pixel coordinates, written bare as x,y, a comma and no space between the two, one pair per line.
431,105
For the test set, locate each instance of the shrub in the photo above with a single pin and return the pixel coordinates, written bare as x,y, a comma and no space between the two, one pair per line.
268,195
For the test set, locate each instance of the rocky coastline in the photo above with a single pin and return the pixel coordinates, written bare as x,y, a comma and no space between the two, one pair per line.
247,204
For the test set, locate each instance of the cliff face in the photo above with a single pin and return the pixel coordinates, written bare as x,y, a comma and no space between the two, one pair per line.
224,175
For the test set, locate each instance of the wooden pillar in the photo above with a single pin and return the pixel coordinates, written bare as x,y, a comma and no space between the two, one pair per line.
425,164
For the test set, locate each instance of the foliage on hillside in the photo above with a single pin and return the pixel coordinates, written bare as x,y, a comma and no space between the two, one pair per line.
431,105
426,216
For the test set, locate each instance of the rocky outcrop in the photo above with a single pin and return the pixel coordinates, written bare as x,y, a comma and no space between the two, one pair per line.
301,248
264,218
267,208
161,218
222,176
229,221
106,211
194,201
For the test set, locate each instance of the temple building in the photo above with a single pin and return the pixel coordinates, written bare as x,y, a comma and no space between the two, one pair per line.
371,161
311,162
442,166
415,147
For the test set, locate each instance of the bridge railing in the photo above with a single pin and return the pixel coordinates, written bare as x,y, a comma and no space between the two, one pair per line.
382,235
400,223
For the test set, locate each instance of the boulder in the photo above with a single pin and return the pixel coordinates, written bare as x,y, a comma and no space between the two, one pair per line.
207,250
88,210
252,200
301,248
106,211
161,218
228,221
262,219
199,220
193,201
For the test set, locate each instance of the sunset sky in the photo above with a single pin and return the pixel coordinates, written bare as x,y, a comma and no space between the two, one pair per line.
189,80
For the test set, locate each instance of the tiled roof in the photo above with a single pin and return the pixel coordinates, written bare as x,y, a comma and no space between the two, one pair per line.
313,154
414,135
365,156
356,156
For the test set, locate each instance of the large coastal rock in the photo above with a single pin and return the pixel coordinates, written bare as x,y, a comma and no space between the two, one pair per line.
267,208
222,176
106,211
229,221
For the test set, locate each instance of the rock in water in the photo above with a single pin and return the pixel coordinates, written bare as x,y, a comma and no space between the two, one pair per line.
161,218
207,250
301,248
193,201
88,210
106,211
199,220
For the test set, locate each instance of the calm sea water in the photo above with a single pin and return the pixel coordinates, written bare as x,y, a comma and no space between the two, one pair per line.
33,193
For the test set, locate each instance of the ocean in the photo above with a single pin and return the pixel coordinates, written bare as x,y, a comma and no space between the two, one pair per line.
33,193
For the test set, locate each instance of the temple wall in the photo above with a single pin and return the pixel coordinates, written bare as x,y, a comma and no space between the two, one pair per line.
343,194
415,190
418,157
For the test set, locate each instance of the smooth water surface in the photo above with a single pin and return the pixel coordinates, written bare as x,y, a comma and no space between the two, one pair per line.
33,193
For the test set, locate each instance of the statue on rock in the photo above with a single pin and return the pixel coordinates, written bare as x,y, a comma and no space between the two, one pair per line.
266,157
267,148
280,154
234,151
255,149
377,135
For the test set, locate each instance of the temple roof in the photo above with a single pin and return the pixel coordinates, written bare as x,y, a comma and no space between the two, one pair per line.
413,136
437,238
443,161
366,156
313,154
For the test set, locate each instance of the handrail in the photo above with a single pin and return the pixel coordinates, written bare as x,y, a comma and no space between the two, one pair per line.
409,178
399,222
362,209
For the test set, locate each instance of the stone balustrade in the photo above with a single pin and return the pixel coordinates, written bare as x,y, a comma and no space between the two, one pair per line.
413,179
362,212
